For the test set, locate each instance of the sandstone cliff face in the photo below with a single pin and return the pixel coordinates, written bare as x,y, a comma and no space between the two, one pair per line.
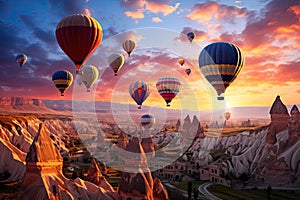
44,178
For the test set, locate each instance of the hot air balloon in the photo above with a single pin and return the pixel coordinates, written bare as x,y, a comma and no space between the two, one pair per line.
62,80
128,46
78,36
168,88
21,59
88,76
191,36
139,91
188,71
147,120
116,62
181,61
220,64
227,115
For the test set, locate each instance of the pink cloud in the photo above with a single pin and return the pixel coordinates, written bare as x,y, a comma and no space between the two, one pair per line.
87,11
142,6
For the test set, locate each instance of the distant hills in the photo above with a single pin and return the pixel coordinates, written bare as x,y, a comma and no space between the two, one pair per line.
28,105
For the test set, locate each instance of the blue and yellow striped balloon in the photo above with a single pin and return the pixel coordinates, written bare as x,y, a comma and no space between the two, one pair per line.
21,59
62,80
139,91
220,63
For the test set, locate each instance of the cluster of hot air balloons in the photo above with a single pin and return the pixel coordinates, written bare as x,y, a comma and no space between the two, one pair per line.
116,60
78,36
167,87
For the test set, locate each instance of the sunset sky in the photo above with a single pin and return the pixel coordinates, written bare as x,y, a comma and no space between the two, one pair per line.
267,32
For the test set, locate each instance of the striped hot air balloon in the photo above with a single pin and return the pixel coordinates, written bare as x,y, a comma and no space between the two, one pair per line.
220,63
139,91
128,46
62,80
116,62
168,88
78,36
21,59
147,120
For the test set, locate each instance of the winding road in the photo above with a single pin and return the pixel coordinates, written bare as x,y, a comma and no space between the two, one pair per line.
203,189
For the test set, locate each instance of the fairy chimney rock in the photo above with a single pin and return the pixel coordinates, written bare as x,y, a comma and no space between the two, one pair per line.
279,120
43,156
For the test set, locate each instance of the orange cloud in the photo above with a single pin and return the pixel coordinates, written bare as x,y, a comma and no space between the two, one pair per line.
135,15
156,7
156,19
202,13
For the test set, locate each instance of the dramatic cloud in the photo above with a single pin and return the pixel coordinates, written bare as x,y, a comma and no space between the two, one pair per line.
203,13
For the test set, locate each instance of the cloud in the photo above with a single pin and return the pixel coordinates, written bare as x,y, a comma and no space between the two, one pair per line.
139,7
135,15
87,11
44,35
159,7
156,19
205,12
200,35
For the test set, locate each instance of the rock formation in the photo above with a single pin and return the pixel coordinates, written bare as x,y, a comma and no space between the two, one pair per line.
279,120
44,178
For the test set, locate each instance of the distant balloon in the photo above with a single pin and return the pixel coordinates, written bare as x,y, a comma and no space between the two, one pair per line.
188,71
116,62
191,36
21,59
128,46
220,63
139,91
147,120
88,76
181,61
78,36
62,80
168,88
227,115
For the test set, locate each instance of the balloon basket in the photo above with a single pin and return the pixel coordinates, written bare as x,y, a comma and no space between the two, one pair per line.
220,98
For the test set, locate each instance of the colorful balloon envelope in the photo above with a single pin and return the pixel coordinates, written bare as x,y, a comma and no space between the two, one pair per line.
181,61
21,59
188,71
128,46
78,36
220,63
168,88
147,120
191,36
88,76
116,62
62,80
139,91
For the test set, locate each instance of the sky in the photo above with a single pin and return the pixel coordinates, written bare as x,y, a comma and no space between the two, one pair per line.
267,32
